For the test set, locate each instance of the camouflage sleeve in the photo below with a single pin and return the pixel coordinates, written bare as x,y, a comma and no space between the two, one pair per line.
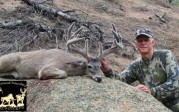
127,76
168,88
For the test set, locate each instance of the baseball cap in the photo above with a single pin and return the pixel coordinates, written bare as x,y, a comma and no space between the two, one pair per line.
144,31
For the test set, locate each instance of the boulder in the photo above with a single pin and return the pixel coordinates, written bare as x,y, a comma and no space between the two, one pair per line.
81,94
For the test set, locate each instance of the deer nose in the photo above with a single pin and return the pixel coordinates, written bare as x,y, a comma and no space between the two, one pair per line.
98,79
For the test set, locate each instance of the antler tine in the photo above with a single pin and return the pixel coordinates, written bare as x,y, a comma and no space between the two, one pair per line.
69,36
100,50
108,51
116,43
79,30
69,30
116,34
116,40
72,40
114,28
86,47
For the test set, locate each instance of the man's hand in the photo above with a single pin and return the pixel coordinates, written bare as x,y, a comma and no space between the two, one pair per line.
143,88
105,65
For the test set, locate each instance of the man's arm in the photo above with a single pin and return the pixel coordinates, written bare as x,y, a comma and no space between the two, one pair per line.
128,75
168,88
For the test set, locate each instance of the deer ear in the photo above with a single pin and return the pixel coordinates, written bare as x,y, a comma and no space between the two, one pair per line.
76,64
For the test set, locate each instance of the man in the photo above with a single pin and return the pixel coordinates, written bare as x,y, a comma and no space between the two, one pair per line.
157,71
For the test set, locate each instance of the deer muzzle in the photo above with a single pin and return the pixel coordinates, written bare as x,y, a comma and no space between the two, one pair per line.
97,78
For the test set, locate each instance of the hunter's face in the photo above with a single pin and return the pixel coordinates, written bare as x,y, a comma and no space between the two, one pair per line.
144,44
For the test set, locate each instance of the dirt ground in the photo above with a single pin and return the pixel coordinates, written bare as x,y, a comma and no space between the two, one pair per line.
127,15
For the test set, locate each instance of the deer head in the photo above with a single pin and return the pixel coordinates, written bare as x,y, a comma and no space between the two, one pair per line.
93,65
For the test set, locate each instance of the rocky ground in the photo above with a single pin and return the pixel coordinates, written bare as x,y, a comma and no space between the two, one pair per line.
79,94
128,16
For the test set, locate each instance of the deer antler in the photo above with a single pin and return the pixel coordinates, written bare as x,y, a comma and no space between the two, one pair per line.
72,40
23,91
117,43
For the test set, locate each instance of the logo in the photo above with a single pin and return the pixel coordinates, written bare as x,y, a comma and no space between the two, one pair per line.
13,95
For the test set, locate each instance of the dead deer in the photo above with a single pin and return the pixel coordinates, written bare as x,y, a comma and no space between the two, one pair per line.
56,63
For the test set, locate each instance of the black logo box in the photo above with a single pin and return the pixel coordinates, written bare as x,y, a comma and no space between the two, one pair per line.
14,88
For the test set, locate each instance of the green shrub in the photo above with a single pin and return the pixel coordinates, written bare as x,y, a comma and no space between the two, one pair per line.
178,20
173,2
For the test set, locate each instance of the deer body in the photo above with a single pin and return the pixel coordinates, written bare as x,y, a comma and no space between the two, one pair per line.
55,62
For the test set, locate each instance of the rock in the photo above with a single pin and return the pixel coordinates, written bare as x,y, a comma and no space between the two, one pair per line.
81,94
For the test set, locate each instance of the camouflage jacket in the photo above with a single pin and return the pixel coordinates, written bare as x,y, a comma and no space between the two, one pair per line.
160,74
